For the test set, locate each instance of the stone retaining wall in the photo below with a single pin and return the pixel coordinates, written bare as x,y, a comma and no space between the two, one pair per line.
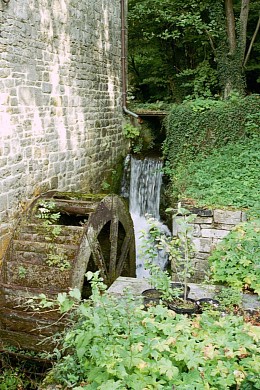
60,101
209,228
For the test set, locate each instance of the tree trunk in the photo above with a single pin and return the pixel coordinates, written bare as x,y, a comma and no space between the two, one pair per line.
231,26
231,63
243,27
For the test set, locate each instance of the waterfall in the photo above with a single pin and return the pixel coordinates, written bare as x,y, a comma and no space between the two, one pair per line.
144,198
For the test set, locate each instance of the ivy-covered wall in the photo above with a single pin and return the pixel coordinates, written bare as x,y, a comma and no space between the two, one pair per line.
198,127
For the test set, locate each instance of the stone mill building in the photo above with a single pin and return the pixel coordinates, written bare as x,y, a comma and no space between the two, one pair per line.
60,99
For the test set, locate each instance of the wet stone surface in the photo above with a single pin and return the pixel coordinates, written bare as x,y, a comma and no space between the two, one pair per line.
197,291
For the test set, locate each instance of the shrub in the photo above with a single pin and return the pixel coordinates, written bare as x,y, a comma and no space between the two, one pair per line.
236,260
198,127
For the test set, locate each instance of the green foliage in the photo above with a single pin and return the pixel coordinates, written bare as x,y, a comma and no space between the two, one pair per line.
236,260
179,49
201,81
141,137
200,126
22,272
179,250
105,186
13,380
55,257
118,345
155,106
229,177
131,132
169,44
46,213
229,297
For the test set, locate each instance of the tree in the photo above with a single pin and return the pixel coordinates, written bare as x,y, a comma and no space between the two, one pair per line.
234,59
195,47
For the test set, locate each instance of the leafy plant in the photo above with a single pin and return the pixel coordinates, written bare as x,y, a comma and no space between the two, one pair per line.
131,132
117,345
46,212
12,380
179,250
105,186
229,297
141,137
235,261
22,272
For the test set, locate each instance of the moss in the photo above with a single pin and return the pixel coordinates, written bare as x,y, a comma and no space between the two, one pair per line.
78,196
113,177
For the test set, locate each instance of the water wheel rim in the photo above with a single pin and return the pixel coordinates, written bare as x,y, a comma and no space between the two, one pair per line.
112,209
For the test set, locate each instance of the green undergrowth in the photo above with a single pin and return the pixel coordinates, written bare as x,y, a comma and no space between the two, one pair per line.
116,344
11,379
200,126
228,178
146,107
236,260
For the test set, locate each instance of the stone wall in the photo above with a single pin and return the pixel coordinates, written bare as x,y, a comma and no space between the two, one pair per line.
209,228
60,101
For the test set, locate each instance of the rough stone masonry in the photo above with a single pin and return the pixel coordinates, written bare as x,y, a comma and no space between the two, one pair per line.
60,98
208,229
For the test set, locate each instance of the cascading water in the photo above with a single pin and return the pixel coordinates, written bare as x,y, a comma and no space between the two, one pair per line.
144,198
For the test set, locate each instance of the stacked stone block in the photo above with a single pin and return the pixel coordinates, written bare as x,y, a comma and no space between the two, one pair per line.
209,228
60,101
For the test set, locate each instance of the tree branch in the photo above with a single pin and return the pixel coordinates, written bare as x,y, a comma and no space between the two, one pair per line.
211,41
243,26
252,42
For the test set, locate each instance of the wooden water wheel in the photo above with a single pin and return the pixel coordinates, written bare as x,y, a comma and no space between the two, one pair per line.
56,241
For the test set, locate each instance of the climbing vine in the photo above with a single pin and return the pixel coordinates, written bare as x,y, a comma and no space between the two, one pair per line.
199,126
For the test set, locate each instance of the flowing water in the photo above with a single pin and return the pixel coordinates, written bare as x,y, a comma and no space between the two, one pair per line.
144,198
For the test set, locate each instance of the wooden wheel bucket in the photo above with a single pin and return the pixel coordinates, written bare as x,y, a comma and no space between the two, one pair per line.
93,232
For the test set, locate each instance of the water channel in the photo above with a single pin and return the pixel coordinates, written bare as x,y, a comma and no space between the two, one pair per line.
142,184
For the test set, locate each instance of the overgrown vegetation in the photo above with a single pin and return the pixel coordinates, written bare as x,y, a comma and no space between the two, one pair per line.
196,128
236,261
11,379
229,177
141,137
213,160
17,375
118,345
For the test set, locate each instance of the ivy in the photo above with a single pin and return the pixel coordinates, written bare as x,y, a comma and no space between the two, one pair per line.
229,177
200,126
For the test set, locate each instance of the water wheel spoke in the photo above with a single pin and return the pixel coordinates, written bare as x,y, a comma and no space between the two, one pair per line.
124,254
99,258
114,243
